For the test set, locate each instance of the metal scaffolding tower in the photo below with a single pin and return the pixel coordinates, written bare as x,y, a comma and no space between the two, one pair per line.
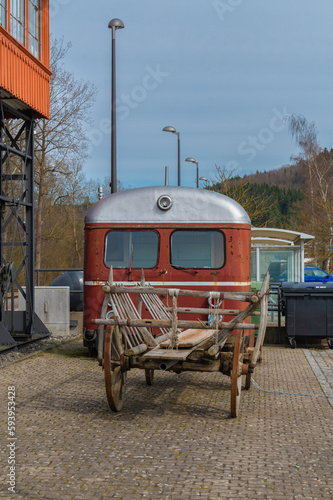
17,225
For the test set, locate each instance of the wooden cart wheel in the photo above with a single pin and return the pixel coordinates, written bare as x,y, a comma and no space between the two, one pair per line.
106,313
251,347
149,376
115,378
236,374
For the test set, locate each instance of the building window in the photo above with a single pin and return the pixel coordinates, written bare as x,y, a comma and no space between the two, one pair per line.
17,20
3,13
22,18
34,26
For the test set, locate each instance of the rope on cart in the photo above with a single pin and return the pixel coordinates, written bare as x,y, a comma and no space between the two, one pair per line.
174,331
213,317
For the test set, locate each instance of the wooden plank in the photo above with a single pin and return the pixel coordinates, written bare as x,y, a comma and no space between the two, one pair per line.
165,323
174,354
202,310
263,320
241,296
190,338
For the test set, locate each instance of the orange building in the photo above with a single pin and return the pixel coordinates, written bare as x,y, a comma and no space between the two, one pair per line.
24,55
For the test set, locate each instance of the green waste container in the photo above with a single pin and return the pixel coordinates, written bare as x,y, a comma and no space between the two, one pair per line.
308,308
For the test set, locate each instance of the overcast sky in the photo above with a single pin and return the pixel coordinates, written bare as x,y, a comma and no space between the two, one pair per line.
223,73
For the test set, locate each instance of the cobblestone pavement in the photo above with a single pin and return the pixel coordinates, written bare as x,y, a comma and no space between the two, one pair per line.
321,362
173,440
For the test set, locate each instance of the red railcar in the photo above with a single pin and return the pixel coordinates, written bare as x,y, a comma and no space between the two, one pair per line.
178,237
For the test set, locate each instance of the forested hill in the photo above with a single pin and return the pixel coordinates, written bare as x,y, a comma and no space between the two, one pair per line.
288,177
296,197
272,199
283,205
287,189
284,188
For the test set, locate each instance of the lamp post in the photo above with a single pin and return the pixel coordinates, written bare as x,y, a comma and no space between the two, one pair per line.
192,160
114,24
174,131
205,180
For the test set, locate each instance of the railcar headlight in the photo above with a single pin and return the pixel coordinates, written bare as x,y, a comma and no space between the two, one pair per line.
164,202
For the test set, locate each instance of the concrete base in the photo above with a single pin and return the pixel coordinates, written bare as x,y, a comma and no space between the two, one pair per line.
52,307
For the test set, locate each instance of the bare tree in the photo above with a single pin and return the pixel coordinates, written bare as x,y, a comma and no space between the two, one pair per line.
258,208
317,211
60,142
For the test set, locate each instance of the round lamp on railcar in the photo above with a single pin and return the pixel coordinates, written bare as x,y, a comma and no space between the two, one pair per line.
164,202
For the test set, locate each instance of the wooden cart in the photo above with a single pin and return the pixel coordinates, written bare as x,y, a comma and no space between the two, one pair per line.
163,342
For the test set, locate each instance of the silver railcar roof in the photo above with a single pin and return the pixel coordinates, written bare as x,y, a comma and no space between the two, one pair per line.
188,205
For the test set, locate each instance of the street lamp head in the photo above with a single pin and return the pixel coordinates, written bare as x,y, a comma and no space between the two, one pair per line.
116,23
192,160
174,131
203,179
170,129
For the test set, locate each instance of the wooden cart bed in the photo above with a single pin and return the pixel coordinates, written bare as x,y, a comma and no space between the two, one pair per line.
126,340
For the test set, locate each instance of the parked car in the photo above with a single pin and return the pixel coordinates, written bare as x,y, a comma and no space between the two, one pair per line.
316,274
310,274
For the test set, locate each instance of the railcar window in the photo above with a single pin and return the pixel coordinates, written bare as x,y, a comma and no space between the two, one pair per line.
139,246
198,249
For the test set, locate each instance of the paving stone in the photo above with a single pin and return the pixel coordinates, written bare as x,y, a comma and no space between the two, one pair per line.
174,440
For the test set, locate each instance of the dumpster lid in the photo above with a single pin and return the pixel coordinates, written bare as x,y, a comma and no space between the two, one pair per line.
313,286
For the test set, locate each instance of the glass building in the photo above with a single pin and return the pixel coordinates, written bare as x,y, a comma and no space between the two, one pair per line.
278,251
